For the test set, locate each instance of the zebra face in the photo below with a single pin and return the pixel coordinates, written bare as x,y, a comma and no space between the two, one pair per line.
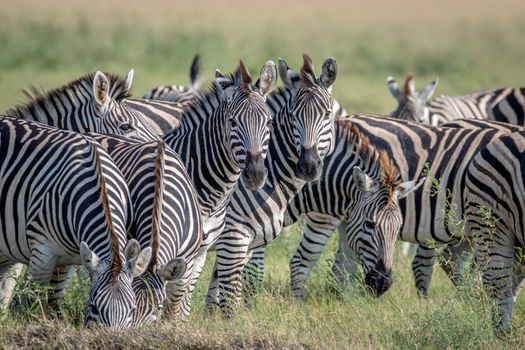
111,301
248,119
150,290
372,231
412,106
311,112
112,115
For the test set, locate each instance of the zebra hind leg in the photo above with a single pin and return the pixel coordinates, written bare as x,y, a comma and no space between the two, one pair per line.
422,267
253,275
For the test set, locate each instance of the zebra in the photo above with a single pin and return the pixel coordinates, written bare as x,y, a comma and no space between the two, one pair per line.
65,203
448,152
179,212
92,103
166,217
179,93
233,118
301,137
499,104
372,199
495,182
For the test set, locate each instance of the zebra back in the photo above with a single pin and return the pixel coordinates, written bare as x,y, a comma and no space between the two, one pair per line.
92,103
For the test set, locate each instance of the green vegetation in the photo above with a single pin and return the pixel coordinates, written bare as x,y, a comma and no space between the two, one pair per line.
467,57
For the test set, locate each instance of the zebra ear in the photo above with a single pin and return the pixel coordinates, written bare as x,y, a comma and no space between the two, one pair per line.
173,270
428,91
267,78
129,79
139,264
89,259
224,85
406,188
363,182
393,88
329,73
195,70
101,89
288,76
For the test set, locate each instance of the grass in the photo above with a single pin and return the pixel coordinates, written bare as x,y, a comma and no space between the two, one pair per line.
47,48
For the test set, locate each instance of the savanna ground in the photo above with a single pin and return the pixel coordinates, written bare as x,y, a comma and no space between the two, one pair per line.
469,45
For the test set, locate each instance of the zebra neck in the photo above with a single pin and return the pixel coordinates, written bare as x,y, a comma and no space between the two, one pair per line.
62,110
204,150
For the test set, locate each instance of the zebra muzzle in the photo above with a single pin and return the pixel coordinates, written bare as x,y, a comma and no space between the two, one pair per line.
309,165
379,279
254,174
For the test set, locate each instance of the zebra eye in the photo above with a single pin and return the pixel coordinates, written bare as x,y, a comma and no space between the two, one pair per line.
233,122
328,113
126,127
370,224
94,310
269,122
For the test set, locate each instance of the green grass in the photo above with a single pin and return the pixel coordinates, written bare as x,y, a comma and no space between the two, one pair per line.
466,57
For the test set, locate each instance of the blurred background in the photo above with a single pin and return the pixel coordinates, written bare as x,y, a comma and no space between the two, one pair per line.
470,45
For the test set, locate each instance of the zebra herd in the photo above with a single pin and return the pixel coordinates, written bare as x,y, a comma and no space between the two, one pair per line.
139,190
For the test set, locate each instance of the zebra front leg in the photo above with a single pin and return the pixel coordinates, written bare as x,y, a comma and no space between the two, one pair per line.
346,262
10,273
253,274
59,281
196,271
453,259
232,256
319,229
41,267
422,267
176,300
212,298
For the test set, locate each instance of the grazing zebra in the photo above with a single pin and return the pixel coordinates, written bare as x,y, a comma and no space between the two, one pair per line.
179,212
222,133
64,203
501,104
301,137
495,183
179,93
448,152
166,217
92,103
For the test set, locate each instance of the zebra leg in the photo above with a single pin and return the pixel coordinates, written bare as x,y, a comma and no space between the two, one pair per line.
212,298
10,273
346,264
253,273
175,293
60,280
319,229
232,256
453,259
196,271
422,267
41,267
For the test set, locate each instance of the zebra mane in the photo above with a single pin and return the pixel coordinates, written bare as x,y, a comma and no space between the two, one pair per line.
116,262
374,158
157,205
118,90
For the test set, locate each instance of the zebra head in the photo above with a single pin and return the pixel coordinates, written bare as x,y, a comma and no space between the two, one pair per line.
248,119
111,301
311,110
150,290
111,113
412,105
374,222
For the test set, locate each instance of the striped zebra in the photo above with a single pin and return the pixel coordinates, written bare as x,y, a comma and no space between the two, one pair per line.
65,203
178,211
222,134
301,137
166,217
495,182
179,93
500,104
448,152
93,103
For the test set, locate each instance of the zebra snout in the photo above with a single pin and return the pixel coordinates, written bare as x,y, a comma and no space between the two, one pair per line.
255,172
310,164
379,279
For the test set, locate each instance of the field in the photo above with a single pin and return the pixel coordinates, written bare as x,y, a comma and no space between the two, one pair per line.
470,46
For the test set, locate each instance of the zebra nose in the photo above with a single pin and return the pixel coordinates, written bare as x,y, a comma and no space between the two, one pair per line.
310,164
379,279
255,172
